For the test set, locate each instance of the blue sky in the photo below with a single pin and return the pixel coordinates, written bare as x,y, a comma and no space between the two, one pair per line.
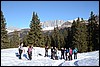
19,13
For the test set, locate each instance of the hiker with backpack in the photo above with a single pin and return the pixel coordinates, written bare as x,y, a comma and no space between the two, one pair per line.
75,53
30,52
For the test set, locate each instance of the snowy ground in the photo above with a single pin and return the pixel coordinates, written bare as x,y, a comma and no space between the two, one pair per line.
9,58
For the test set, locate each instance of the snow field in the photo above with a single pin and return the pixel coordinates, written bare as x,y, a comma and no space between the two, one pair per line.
9,58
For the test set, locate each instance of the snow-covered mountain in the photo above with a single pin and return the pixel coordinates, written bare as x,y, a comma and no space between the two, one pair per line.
9,57
11,29
48,25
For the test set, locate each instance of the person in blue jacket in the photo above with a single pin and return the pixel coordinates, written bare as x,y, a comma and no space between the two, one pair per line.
67,51
75,52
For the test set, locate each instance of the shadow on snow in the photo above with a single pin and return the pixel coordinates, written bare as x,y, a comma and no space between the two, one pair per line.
24,55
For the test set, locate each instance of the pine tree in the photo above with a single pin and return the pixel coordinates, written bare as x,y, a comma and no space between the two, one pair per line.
92,33
83,35
25,40
52,40
62,41
48,40
76,35
54,36
79,35
4,36
35,37
72,32
69,38
64,37
57,38
14,40
96,40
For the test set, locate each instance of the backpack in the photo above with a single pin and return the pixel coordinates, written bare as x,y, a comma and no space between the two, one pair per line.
67,51
75,50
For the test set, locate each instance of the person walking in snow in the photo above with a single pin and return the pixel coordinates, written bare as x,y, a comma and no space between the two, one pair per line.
51,52
46,51
70,54
75,53
62,53
55,53
20,50
30,52
67,51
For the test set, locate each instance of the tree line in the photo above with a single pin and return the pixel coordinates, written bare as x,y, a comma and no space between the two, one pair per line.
84,36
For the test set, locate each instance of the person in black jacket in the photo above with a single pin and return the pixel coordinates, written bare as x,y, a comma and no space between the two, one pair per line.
55,53
51,52
20,50
46,51
62,53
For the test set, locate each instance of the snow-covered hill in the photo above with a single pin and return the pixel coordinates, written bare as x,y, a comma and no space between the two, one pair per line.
9,58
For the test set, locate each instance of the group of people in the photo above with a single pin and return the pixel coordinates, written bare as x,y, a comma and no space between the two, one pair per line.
65,53
21,50
53,52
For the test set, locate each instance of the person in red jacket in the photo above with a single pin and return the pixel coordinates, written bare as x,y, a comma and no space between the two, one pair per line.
70,53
